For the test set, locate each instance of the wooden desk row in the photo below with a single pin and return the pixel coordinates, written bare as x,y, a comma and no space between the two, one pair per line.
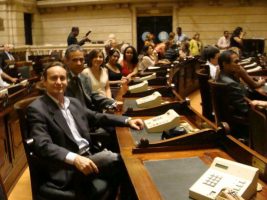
206,144
12,156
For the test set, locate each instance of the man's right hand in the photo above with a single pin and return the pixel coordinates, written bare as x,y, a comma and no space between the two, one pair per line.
85,165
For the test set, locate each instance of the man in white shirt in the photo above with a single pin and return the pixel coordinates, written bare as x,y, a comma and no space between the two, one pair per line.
60,127
180,37
6,76
224,41
7,62
211,55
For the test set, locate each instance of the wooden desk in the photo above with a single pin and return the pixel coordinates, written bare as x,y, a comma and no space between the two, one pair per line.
12,156
207,149
143,184
262,91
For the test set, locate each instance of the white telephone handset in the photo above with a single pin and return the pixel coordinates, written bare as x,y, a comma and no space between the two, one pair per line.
24,82
163,122
149,101
146,78
3,92
153,67
258,68
250,65
140,87
240,178
245,61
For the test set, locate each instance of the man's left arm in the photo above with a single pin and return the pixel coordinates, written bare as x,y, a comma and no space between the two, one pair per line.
100,119
99,101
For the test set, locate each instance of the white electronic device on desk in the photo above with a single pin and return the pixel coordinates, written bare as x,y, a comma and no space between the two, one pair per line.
153,67
265,87
24,82
250,65
258,68
161,123
239,178
149,101
245,61
140,87
3,92
146,78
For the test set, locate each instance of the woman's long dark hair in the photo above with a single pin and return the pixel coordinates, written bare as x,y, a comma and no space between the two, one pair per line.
135,55
92,54
110,53
237,31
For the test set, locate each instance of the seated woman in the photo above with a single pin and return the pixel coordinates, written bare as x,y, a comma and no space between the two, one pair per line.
161,49
184,50
114,68
150,58
171,38
149,40
97,73
129,63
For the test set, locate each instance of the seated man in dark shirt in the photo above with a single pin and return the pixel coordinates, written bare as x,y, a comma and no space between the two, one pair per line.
232,73
229,68
79,86
7,64
60,127
237,108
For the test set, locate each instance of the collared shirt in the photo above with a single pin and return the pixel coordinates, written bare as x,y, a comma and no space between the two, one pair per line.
223,43
214,70
9,55
180,38
2,82
81,142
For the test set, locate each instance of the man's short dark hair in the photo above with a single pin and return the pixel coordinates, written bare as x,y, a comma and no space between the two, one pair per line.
225,57
209,52
74,28
73,48
52,64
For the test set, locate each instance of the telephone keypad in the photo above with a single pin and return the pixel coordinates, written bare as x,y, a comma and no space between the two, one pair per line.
239,185
212,180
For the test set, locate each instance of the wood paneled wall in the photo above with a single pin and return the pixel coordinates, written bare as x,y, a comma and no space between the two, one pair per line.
51,25
211,21
102,22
